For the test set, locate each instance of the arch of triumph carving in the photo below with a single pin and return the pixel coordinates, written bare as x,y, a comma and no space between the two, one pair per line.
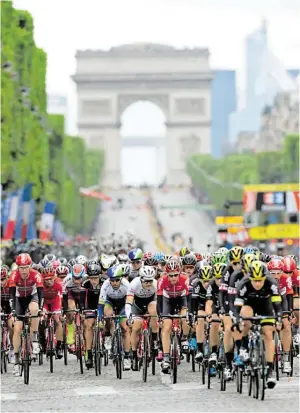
177,80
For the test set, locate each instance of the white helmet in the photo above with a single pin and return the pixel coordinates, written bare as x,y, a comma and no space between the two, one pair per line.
81,259
147,273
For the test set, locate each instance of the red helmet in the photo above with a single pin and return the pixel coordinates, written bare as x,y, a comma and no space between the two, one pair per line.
55,264
147,255
48,273
289,264
4,272
62,271
198,256
23,260
173,265
275,264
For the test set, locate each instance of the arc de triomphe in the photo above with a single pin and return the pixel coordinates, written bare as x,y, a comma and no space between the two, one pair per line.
177,80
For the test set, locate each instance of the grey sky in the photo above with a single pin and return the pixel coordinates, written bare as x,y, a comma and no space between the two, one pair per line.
63,26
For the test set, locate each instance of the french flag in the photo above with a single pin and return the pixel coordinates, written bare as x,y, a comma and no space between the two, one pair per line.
26,210
12,216
31,229
47,221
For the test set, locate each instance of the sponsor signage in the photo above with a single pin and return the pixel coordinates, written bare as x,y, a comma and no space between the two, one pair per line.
274,231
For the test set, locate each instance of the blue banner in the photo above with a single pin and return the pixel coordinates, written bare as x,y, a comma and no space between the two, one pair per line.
31,230
5,207
18,228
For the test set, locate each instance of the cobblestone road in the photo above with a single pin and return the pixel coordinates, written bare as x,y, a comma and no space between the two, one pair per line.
66,390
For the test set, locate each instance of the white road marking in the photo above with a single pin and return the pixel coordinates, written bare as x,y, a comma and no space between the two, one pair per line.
99,390
8,396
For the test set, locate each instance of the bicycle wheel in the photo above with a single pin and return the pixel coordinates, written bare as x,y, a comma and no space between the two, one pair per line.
277,355
291,360
203,371
78,341
64,343
119,356
97,351
50,347
239,380
262,370
26,359
174,358
145,355
255,384
193,353
153,360
208,374
222,378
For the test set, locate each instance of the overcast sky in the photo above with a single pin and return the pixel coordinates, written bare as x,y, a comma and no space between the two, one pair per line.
63,26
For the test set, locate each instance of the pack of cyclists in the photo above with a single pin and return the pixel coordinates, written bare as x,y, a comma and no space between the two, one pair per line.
202,287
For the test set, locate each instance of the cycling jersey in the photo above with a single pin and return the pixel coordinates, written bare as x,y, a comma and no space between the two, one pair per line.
263,302
197,297
92,297
5,304
53,296
212,294
113,297
72,291
142,296
28,286
180,289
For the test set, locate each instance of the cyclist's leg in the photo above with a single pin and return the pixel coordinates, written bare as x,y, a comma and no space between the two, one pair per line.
21,306
214,333
200,332
88,336
246,311
108,312
152,310
136,326
33,308
70,322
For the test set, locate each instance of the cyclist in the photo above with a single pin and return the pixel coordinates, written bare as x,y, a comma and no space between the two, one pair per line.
74,296
284,281
189,262
112,301
92,286
197,300
258,294
26,294
53,302
135,257
172,292
6,308
141,299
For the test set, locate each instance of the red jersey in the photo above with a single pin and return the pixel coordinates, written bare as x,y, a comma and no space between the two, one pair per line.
296,278
285,285
51,293
5,291
180,289
27,287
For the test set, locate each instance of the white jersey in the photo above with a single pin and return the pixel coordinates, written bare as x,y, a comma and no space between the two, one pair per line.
108,294
142,296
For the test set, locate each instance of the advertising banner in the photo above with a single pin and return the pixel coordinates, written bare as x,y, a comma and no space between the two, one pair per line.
274,231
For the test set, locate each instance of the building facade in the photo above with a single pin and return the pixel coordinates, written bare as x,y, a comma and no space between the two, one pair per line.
224,101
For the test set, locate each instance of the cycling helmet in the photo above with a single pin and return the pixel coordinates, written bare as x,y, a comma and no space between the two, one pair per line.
55,264
48,273
147,273
198,256
147,255
72,262
189,259
223,250
173,265
92,261
184,251
207,257
235,254
105,262
160,256
4,272
218,257
151,261
113,260
257,271
48,259
81,259
135,255
275,265
249,250
219,270
289,264
62,271
205,273
62,260
78,271
93,270
123,258
23,260
126,269
246,260
115,272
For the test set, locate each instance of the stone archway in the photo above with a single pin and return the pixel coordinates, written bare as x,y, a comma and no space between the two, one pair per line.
177,80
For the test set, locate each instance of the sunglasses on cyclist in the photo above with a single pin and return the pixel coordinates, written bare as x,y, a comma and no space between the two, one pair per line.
189,267
236,263
173,275
147,282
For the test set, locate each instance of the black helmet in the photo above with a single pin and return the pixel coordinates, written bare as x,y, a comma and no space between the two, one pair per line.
63,260
93,261
151,261
189,259
93,269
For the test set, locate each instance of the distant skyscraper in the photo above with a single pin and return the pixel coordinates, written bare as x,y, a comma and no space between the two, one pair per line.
223,103
266,76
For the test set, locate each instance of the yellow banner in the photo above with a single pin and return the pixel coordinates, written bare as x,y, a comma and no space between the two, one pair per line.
235,220
275,231
271,187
